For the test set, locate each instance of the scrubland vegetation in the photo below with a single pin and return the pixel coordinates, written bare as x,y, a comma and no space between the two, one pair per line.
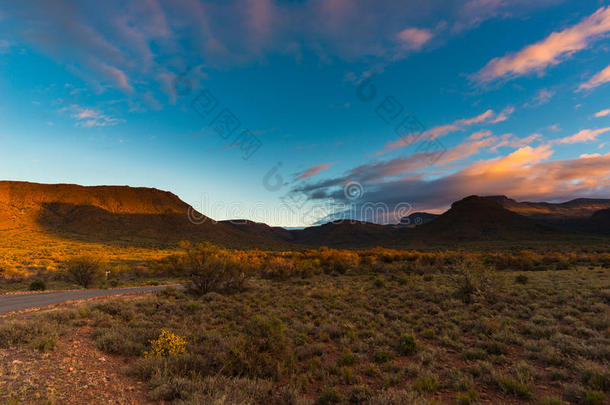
377,326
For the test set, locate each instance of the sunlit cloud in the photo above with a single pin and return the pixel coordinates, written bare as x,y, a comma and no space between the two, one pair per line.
602,113
442,130
552,50
542,97
89,117
597,80
525,174
586,135
413,38
312,171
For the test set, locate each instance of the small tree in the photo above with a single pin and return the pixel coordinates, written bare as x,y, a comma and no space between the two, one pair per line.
474,281
83,271
210,268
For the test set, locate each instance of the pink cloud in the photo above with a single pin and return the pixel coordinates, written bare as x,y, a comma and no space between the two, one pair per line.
414,38
585,135
443,130
88,117
312,171
597,80
525,174
552,50
602,113
118,77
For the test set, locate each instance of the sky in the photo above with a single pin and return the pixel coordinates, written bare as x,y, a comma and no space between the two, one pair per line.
297,112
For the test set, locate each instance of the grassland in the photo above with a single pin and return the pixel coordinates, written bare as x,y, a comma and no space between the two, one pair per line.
376,327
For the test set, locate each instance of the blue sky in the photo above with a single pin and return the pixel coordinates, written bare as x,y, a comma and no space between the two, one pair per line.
500,98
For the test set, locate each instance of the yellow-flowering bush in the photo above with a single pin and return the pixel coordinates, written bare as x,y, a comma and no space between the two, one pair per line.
168,344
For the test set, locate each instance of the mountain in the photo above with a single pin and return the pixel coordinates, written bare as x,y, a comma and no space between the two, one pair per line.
598,223
417,218
480,219
346,234
260,228
111,213
560,213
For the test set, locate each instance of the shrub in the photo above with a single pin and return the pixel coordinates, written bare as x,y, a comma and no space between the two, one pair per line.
426,383
168,344
474,280
467,397
407,345
328,396
383,356
347,358
45,343
83,271
38,285
210,268
261,352
521,279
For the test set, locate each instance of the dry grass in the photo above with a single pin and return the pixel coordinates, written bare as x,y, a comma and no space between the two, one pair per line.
379,334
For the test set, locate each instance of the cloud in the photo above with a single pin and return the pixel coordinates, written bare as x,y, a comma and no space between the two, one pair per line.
585,135
380,171
590,155
312,171
4,46
550,51
525,174
414,38
480,135
89,117
442,130
542,97
602,113
504,114
597,80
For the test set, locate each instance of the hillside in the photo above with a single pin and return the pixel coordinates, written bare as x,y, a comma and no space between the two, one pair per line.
551,212
417,218
344,234
479,219
599,222
110,214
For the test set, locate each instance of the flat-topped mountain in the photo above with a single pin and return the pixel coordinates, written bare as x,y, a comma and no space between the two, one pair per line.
578,208
477,218
110,213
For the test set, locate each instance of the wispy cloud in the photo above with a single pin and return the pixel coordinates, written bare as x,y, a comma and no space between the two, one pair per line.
312,171
414,38
602,113
543,96
586,135
89,117
552,50
597,80
442,130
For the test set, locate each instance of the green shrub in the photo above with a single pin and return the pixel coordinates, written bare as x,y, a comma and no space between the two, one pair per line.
521,279
474,281
328,396
84,271
407,345
347,358
359,394
425,384
45,343
467,397
210,268
38,285
383,356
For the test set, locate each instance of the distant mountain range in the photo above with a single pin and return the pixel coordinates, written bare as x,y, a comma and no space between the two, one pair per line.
151,216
